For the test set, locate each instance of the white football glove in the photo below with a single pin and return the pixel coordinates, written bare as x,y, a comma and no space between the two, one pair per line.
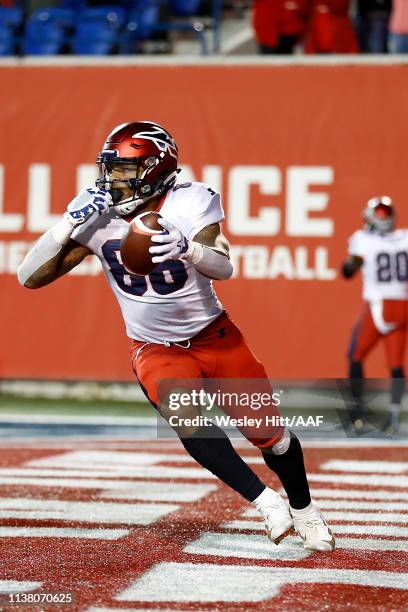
87,203
172,243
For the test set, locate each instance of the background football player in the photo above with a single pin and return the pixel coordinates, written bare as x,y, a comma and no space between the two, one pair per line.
381,252
178,328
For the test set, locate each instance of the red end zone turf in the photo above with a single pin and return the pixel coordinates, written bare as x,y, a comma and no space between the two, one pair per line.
141,526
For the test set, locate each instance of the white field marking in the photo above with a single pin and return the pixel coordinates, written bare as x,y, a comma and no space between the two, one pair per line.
204,582
385,467
62,532
253,459
113,467
329,504
160,491
112,460
377,516
129,445
341,504
385,530
15,586
370,530
358,494
246,547
290,549
372,544
73,483
367,517
105,459
152,446
361,479
121,489
87,512
137,472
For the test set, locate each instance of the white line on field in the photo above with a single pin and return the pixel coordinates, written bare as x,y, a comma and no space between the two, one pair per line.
375,480
336,504
62,532
185,582
357,529
385,467
87,512
9,586
359,494
290,549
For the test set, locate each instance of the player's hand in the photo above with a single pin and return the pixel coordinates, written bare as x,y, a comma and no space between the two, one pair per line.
86,204
171,243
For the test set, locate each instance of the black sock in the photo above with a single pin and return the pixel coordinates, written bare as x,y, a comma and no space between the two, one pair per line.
397,385
356,377
218,456
290,469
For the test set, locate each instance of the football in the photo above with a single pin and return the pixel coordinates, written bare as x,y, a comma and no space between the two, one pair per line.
134,246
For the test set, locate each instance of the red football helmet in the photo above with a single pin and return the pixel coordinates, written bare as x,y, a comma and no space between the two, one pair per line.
153,152
379,214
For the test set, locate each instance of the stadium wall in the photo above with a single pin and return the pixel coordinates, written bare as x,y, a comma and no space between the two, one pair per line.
296,150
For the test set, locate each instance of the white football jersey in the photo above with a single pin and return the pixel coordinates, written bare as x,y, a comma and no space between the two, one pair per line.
175,301
385,268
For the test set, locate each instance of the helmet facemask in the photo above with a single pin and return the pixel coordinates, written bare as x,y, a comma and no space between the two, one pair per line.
142,191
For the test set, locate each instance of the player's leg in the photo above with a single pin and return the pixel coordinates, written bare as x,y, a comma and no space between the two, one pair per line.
397,391
285,458
281,450
364,337
395,342
206,443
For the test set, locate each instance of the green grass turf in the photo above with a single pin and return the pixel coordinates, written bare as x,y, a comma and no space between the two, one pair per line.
27,405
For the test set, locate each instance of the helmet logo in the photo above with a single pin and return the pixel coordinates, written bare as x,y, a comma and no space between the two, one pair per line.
163,141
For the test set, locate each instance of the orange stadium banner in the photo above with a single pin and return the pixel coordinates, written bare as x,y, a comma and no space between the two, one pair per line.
296,151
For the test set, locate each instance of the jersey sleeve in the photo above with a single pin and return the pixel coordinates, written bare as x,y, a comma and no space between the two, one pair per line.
205,209
356,244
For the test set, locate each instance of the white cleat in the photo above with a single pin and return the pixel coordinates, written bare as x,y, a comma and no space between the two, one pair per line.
314,531
278,520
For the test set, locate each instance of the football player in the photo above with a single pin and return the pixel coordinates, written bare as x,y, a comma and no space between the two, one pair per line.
178,328
381,251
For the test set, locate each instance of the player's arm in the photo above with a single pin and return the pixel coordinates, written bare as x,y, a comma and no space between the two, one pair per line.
212,237
211,250
351,266
208,251
33,276
56,253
